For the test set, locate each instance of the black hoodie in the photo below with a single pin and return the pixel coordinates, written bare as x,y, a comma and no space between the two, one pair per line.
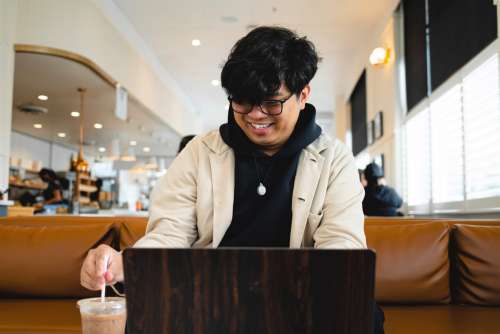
381,201
265,221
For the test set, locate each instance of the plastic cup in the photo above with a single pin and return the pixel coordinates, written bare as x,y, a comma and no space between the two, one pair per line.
103,318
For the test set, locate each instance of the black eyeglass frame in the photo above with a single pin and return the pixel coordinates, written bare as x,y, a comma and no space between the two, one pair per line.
282,102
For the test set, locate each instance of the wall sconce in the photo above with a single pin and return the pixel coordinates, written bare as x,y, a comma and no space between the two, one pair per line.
380,56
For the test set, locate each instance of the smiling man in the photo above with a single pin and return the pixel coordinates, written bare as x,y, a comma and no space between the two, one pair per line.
268,177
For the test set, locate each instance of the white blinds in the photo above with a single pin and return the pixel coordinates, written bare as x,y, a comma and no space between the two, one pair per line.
447,147
453,146
482,130
418,159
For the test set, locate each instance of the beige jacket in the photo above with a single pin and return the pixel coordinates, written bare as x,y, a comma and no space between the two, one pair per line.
192,205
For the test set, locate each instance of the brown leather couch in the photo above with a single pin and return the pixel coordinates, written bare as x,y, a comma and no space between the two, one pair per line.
40,261
433,276
437,276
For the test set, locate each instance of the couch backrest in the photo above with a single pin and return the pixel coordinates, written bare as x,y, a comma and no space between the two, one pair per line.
475,252
415,262
45,260
131,230
412,262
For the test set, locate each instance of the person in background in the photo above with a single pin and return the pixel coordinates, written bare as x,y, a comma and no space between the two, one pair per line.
380,200
53,193
184,141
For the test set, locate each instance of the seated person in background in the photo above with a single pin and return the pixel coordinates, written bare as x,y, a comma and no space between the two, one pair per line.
380,200
53,193
268,177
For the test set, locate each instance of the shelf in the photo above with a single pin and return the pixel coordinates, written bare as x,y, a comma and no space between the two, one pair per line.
24,169
84,200
27,186
87,188
84,176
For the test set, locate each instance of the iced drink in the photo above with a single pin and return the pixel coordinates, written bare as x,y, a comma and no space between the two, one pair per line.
103,318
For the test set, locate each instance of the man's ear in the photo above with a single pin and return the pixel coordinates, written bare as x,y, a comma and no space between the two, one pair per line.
304,96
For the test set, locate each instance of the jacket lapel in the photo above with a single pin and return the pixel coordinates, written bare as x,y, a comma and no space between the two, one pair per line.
222,167
306,181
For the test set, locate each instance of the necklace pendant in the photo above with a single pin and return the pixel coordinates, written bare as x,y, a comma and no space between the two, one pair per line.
261,189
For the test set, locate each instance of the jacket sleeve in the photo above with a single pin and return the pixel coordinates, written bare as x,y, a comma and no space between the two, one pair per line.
342,225
172,214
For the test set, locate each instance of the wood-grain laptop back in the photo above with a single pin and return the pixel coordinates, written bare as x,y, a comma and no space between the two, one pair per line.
249,291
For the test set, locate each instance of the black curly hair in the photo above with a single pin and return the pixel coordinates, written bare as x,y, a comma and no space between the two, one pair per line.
263,59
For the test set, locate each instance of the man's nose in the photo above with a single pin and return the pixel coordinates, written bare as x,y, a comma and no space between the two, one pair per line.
256,112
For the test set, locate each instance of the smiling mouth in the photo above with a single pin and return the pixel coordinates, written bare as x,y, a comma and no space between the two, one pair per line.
260,126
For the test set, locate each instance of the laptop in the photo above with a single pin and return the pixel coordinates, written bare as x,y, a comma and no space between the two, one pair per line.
249,291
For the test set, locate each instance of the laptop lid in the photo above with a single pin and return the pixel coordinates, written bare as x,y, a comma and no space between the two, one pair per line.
249,291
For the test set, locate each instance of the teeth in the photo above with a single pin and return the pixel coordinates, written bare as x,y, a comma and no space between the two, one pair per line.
260,126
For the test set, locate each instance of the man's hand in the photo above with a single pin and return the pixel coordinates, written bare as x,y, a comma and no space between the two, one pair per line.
93,274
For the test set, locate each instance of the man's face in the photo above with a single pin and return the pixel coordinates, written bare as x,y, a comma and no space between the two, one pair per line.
271,132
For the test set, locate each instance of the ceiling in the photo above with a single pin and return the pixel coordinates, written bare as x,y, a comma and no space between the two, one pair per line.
59,79
340,29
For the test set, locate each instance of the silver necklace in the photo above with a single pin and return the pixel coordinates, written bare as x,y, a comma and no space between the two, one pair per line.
261,188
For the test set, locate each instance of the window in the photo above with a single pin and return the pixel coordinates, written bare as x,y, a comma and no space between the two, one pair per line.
447,147
418,159
453,141
482,130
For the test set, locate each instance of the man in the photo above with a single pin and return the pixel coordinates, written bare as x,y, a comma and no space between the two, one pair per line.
380,200
266,178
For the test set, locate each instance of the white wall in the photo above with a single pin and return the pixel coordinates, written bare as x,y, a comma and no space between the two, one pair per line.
81,27
60,157
341,118
382,95
30,148
8,13
51,155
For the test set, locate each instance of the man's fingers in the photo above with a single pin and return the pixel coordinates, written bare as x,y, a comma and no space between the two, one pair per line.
99,265
89,276
103,254
109,277
90,285
93,268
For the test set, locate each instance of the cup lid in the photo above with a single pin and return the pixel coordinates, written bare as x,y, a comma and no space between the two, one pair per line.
95,305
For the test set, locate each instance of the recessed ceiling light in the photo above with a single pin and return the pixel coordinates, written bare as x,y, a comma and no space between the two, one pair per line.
37,126
43,97
102,149
146,149
61,135
75,114
215,82
133,143
195,42
98,125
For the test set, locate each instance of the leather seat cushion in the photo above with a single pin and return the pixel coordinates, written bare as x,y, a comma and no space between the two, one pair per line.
477,261
412,262
39,316
441,319
45,261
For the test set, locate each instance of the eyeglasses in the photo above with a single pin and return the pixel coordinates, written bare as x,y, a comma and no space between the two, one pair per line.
268,107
